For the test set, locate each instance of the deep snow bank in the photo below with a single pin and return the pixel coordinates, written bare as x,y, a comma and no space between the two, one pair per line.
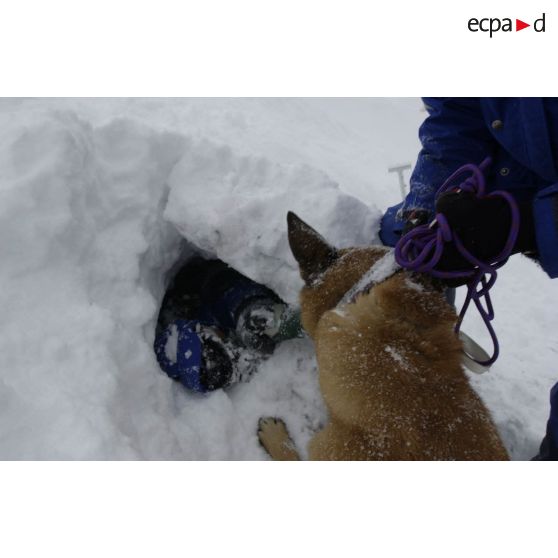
86,239
236,207
89,230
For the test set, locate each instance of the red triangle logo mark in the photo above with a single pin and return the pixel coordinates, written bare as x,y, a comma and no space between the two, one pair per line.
519,25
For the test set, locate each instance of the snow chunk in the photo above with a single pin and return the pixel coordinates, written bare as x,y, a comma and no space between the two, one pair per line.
385,267
235,208
398,357
395,355
414,286
171,346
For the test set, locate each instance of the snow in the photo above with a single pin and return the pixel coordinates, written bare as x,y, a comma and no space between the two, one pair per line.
413,285
394,354
385,267
171,346
235,208
101,199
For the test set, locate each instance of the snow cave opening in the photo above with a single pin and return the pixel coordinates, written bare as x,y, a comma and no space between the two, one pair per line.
214,325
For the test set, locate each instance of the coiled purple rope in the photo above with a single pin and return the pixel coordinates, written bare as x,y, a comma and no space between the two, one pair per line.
420,250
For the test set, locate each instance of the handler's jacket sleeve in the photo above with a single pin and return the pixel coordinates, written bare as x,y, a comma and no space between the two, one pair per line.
458,131
453,134
545,208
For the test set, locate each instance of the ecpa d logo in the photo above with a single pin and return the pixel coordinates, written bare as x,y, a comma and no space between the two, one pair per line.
494,24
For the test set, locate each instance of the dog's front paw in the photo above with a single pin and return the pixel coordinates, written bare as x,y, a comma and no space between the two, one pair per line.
275,439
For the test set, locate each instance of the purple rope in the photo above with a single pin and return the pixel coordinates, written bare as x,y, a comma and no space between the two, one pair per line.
421,248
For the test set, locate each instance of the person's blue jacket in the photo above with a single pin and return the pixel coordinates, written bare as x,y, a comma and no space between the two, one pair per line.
549,447
521,136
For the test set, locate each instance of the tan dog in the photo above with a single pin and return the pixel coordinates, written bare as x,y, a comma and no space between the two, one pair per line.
389,365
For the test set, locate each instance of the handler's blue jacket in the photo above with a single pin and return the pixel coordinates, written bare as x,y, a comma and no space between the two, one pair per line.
521,136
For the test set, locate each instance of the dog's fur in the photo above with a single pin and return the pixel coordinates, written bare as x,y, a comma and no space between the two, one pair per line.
389,365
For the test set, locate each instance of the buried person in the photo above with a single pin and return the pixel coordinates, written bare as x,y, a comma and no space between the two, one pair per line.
215,325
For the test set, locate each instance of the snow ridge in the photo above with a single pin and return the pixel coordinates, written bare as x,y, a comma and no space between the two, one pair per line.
93,218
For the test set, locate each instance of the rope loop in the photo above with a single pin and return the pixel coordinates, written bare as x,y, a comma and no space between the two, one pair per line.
421,248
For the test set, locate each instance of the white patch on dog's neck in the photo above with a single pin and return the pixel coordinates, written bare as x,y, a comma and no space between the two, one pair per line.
413,285
385,267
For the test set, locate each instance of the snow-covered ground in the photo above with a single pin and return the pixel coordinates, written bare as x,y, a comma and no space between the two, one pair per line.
99,200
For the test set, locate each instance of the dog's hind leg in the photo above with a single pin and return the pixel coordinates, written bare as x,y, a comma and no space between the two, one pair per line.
275,439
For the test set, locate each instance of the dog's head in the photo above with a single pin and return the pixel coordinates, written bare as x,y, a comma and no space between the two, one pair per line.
329,273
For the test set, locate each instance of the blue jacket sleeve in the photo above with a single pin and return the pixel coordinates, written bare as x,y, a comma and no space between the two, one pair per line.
549,446
453,134
545,210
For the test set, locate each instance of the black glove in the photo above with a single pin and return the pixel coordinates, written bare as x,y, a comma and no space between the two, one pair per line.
483,226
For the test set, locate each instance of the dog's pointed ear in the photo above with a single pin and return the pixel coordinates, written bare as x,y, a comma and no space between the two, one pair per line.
312,252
